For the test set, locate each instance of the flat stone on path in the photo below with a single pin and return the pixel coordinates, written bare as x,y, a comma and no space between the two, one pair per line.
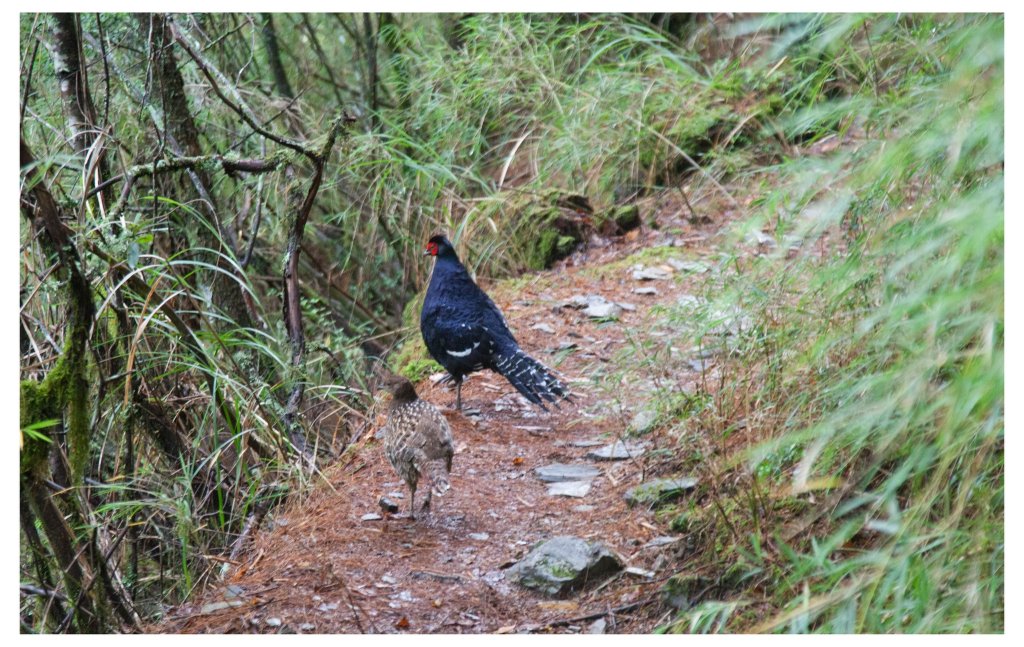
605,310
576,489
652,273
557,472
618,451
562,564
660,490
688,266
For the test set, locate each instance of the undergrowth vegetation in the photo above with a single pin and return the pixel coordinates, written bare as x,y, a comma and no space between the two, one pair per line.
851,433
865,352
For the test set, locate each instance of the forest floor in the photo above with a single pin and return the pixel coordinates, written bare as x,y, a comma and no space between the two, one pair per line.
318,567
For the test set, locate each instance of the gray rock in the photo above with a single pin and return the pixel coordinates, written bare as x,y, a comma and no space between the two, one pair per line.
596,306
642,273
688,266
639,572
577,301
218,606
730,321
689,301
586,443
557,472
479,536
562,564
618,451
679,590
644,420
664,540
659,490
372,516
699,365
543,327
606,310
576,489
651,291
598,626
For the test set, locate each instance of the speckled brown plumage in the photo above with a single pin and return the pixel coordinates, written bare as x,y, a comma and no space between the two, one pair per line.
417,441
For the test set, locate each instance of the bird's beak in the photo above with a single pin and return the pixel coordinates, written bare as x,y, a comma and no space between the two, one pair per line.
426,252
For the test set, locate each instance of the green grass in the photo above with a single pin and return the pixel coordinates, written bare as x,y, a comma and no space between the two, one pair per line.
881,361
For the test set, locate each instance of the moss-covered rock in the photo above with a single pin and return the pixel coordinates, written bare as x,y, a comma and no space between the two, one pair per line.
549,226
563,564
651,493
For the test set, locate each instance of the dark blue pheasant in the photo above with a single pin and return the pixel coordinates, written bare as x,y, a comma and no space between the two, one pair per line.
465,332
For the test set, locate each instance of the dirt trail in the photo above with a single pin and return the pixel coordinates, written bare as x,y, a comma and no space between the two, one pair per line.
317,567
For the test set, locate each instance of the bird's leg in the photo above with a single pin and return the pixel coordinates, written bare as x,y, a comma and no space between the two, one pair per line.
458,395
426,504
412,502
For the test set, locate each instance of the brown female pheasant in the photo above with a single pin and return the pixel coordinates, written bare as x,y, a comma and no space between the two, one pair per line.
417,441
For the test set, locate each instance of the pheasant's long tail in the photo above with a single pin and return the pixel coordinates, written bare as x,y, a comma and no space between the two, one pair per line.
531,378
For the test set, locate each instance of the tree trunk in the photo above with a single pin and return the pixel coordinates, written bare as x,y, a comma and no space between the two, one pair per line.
66,51
281,85
371,67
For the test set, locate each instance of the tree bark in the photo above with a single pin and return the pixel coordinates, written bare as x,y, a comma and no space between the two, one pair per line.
87,614
281,85
66,51
371,67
